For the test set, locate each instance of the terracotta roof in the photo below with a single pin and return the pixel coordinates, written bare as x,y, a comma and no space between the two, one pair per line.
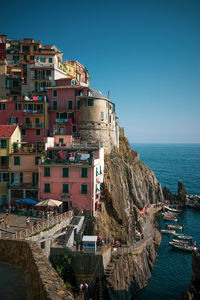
7,130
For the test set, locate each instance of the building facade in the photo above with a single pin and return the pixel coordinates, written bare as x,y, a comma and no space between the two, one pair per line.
73,175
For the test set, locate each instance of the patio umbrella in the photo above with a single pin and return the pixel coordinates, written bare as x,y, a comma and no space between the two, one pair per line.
50,203
19,200
29,201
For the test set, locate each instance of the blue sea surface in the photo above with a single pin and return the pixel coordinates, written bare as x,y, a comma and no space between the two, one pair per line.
171,274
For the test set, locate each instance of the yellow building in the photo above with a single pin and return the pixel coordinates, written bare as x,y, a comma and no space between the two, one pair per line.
69,69
9,134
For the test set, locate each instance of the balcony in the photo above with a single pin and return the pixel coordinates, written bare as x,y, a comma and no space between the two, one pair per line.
33,125
62,120
23,185
4,167
31,112
48,78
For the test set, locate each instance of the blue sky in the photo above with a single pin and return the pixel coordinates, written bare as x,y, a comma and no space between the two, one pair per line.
146,52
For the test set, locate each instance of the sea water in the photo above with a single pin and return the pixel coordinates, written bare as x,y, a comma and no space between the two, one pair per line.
171,274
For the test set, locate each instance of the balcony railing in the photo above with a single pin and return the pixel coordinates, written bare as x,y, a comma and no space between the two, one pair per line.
31,111
4,167
59,108
62,120
33,125
42,78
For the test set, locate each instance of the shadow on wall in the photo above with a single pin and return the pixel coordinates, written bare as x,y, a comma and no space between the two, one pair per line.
42,281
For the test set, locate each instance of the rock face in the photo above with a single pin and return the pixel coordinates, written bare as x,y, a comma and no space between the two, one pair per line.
194,289
182,193
129,185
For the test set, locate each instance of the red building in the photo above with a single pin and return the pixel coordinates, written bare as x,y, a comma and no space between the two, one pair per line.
64,100
30,115
2,46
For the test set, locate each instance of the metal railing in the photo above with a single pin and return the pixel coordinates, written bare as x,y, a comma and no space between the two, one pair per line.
44,224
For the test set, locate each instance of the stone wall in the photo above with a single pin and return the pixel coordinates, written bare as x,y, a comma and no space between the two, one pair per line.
42,281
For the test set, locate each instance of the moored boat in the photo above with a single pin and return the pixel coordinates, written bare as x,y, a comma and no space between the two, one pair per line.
170,218
181,242
183,237
184,247
174,210
175,227
168,231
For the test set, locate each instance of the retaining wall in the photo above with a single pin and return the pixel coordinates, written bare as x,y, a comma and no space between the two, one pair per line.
41,279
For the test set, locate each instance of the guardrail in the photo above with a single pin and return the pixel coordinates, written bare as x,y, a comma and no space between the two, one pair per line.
44,224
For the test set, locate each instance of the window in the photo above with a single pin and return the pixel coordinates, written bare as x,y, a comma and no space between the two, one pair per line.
74,128
32,57
84,173
47,172
23,131
14,98
25,48
55,93
65,172
37,131
2,106
50,60
65,188
84,189
34,48
78,104
42,59
90,102
60,140
16,160
37,158
47,188
55,105
27,120
21,177
102,115
37,120
70,104
4,177
3,144
18,106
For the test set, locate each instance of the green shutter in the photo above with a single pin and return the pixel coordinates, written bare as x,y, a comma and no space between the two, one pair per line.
84,189
84,173
65,172
47,187
16,160
37,160
66,188
47,172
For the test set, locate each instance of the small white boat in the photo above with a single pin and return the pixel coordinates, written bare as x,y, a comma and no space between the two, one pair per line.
168,231
174,210
180,242
183,237
184,247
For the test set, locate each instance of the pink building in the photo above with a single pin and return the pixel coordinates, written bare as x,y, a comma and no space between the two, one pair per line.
30,115
64,106
73,175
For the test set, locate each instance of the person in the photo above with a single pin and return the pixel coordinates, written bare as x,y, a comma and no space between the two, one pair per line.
84,289
142,235
27,221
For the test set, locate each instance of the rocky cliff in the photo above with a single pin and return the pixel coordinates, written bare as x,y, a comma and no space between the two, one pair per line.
194,289
129,186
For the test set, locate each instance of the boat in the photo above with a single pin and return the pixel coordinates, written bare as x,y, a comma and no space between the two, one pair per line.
184,247
180,241
168,231
174,210
170,218
183,237
175,227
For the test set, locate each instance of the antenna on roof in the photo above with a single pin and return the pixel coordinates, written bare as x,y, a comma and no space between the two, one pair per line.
109,95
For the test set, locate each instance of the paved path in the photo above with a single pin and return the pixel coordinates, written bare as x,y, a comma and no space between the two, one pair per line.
15,222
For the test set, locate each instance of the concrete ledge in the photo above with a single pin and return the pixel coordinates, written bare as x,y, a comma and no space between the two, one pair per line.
42,281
